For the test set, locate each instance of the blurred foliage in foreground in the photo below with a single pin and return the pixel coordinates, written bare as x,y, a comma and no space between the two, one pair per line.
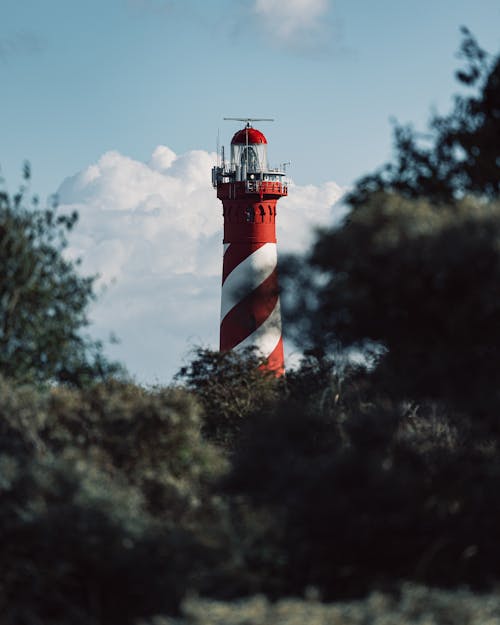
411,275
114,507
119,504
459,154
415,605
43,299
418,287
101,494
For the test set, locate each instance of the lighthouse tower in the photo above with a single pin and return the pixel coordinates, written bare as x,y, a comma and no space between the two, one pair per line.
250,190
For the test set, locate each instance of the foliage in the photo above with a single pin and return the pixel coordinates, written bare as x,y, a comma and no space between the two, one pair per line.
150,439
315,374
363,497
43,300
412,605
340,481
77,548
461,154
383,484
231,386
399,277
424,284
106,507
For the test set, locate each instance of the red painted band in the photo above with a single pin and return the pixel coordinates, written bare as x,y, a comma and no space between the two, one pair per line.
249,313
276,360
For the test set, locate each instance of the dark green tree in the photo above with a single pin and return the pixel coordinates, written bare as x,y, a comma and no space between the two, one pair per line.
105,510
411,276
230,387
386,498
461,152
420,287
43,299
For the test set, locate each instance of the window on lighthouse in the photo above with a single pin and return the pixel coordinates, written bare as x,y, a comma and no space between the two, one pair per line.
249,158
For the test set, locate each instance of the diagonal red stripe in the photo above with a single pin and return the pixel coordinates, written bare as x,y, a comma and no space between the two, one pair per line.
276,360
235,254
249,313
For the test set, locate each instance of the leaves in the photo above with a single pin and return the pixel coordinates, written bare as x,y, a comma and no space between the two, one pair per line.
231,387
460,155
43,300
106,509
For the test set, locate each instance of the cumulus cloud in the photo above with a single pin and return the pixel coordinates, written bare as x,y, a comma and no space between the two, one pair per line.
153,233
296,22
305,209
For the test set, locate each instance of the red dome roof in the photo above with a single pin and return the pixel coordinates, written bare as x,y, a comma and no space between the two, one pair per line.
254,136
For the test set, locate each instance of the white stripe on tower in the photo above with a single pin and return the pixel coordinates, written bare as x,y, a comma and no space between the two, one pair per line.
267,336
250,310
247,276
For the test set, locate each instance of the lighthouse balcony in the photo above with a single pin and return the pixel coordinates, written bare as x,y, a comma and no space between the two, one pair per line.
266,187
232,183
260,188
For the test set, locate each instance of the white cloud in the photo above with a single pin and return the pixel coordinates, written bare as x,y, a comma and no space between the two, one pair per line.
153,232
306,208
293,21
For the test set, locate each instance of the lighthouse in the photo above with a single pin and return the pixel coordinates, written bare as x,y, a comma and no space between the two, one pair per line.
249,190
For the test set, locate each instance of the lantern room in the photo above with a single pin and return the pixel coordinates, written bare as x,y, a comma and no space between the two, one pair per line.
249,151
247,162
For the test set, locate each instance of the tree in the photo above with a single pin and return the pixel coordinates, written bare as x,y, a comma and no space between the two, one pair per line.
384,502
230,387
411,276
461,154
43,300
424,286
106,514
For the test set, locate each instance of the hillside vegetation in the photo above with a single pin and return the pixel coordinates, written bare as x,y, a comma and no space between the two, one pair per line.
342,494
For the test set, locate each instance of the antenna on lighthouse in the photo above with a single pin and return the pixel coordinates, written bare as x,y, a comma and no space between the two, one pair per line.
249,119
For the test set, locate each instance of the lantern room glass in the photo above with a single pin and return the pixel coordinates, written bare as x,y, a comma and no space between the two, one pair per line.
253,157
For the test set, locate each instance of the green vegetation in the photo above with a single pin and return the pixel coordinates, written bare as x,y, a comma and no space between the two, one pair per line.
230,387
43,299
415,606
233,497
421,284
101,492
460,154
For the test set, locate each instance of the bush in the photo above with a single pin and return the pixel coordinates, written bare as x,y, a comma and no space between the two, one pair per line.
231,387
78,548
363,500
43,300
412,605
421,283
150,438
106,509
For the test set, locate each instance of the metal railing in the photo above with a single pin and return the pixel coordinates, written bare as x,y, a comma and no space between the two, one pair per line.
266,186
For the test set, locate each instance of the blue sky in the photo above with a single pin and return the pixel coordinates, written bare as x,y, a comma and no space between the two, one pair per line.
84,79
80,78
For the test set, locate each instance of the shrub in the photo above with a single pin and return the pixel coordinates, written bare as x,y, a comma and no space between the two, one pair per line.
43,300
362,501
106,508
231,387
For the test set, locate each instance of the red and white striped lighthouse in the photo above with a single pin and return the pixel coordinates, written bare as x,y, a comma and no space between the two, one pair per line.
249,190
